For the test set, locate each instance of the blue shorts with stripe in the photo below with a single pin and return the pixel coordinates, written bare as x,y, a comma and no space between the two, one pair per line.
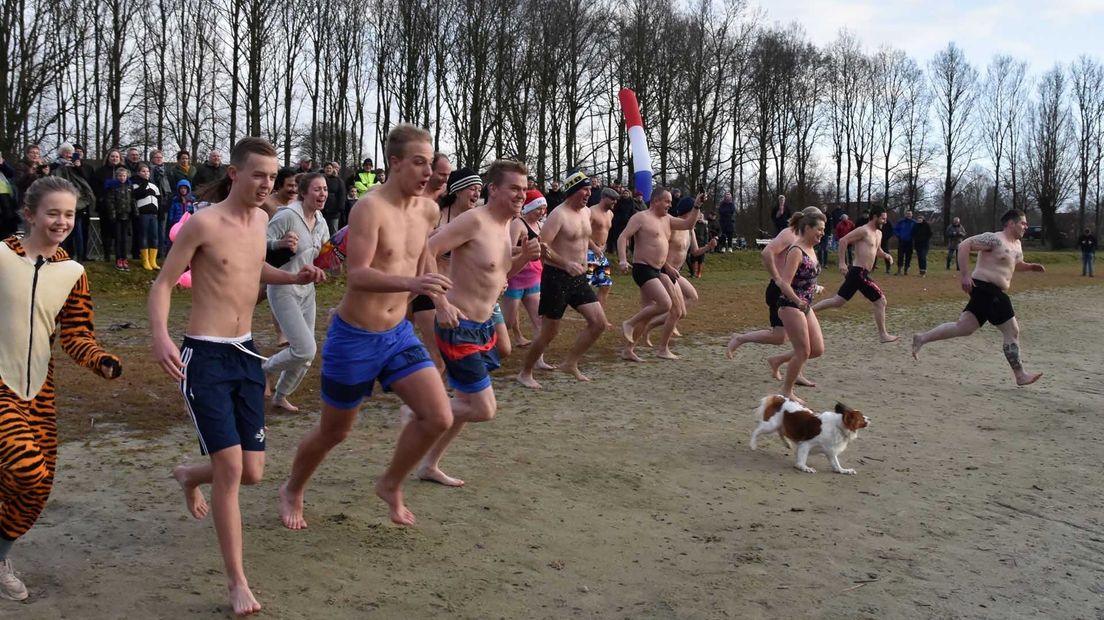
223,387
353,359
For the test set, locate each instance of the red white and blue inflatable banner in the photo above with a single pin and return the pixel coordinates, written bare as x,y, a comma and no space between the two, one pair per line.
638,141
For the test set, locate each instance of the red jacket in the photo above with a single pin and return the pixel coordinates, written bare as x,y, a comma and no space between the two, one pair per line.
844,227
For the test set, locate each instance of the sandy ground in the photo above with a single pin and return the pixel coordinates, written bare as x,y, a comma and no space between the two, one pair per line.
636,497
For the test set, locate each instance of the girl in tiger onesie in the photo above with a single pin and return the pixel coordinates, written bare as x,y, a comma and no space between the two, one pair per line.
40,289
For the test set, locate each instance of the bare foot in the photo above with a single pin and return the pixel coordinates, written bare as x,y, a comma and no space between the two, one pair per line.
522,342
609,326
398,512
887,338
776,368
733,344
197,504
526,379
676,333
648,339
543,365
666,354
1028,378
282,403
629,355
291,509
797,400
574,372
243,602
803,382
435,474
916,344
627,331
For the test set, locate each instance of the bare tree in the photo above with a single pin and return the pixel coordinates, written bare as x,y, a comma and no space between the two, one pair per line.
954,83
893,71
1087,76
1050,169
1003,83
917,148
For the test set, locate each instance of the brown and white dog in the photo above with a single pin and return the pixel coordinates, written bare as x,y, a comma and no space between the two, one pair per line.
826,432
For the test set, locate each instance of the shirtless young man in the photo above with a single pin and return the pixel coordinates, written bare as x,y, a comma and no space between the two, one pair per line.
773,258
482,260
601,218
564,240
999,257
217,365
867,243
651,231
683,244
369,338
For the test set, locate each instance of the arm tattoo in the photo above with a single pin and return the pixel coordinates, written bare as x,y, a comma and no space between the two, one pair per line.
1012,354
987,241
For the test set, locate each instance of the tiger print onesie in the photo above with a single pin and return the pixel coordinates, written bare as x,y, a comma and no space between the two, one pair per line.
35,297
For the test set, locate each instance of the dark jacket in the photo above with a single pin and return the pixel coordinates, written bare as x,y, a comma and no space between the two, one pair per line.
781,221
887,234
176,173
205,174
118,200
726,215
25,174
1087,244
86,198
554,199
335,198
921,234
159,176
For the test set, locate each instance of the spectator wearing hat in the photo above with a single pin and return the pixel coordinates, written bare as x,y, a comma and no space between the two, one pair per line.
523,289
364,178
564,282
306,166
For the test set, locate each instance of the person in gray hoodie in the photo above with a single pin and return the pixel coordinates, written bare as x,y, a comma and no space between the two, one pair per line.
300,228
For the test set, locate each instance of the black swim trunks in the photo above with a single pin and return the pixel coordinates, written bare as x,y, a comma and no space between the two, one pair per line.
989,303
421,303
858,280
560,289
642,272
773,295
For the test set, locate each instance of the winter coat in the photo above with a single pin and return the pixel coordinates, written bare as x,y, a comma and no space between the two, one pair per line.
147,198
118,201
180,205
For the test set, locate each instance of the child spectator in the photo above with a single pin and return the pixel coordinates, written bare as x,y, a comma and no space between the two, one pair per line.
147,201
182,202
120,204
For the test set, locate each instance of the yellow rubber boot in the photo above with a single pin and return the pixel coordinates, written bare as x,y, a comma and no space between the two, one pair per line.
145,260
153,259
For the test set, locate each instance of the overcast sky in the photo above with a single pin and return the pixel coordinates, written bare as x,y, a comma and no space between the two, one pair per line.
1041,32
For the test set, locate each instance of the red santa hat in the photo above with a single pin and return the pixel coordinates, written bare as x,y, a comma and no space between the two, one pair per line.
533,201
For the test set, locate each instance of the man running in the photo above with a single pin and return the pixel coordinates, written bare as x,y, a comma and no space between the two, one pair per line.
369,338
217,365
651,233
564,240
867,243
683,244
598,267
1000,255
482,261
